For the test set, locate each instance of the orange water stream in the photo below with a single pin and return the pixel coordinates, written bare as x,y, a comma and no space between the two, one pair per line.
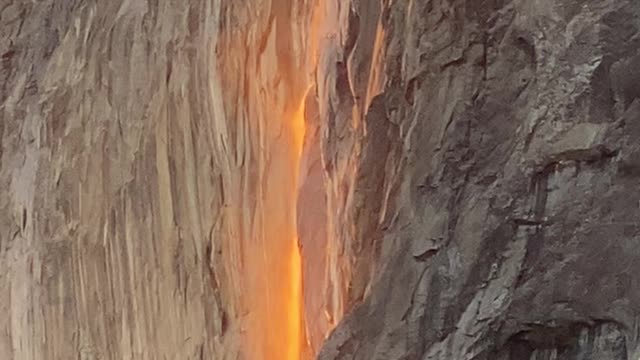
295,306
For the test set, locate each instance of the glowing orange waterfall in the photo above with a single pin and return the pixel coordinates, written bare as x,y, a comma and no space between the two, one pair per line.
275,324
264,85
295,314
295,327
272,289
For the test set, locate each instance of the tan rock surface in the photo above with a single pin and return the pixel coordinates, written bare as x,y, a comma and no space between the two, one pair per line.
109,184
464,186
148,175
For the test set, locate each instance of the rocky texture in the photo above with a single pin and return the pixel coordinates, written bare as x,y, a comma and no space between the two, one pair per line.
467,187
263,54
114,158
312,232
482,175
107,176
148,160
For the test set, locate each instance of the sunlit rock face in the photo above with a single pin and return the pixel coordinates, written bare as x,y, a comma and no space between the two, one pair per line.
265,72
149,155
217,179
481,174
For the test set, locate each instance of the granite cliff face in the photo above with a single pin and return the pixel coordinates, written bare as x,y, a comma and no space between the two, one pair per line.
107,196
482,172
119,160
148,167
463,185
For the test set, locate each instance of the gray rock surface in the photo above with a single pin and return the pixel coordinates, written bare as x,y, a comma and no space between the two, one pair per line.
492,171
107,196
467,188
147,177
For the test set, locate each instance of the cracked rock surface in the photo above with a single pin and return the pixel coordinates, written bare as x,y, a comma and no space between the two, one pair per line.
139,143
474,167
107,195
489,167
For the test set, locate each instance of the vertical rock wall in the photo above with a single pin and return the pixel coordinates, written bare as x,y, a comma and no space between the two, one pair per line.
148,177
482,176
109,148
265,74
467,184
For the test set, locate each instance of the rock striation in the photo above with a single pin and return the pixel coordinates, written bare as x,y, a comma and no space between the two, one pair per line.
147,177
463,186
480,168
108,189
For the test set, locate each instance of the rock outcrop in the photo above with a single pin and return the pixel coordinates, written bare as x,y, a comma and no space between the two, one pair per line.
107,183
482,174
466,188
148,160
